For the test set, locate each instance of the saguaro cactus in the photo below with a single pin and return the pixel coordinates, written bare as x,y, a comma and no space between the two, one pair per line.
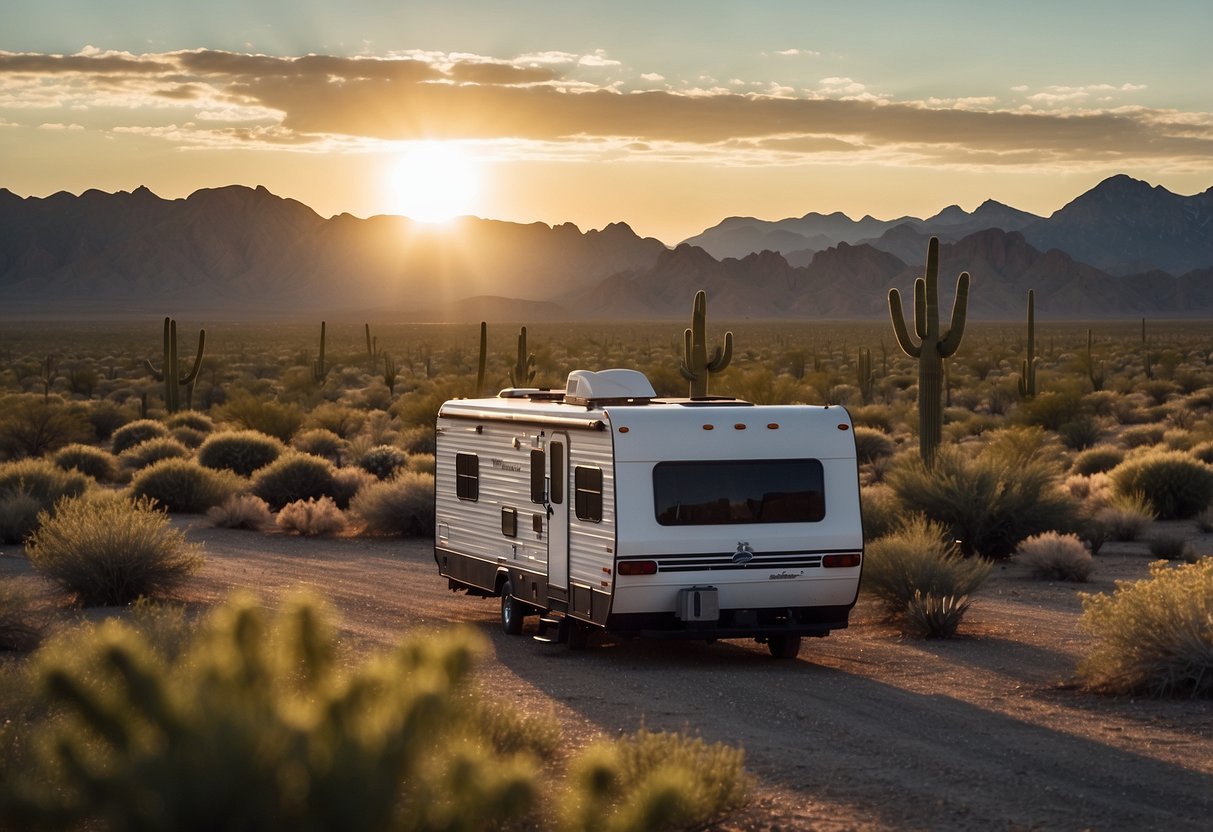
171,372
1027,377
483,360
523,372
933,346
319,370
864,377
695,366
1095,375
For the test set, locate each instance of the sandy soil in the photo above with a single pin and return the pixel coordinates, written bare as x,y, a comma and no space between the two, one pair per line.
865,730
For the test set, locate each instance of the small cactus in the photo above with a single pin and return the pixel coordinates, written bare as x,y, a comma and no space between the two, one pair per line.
319,369
933,346
695,366
1027,377
483,360
864,376
523,372
389,372
1095,375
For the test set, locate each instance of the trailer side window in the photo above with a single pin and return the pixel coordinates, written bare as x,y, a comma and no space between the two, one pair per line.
538,474
587,483
509,522
467,477
713,493
557,473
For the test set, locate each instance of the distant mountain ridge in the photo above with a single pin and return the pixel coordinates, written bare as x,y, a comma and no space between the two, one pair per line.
244,253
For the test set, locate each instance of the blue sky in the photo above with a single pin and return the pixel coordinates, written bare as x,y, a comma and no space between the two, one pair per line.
669,116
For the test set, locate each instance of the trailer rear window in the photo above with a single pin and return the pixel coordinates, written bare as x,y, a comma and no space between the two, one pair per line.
738,491
467,477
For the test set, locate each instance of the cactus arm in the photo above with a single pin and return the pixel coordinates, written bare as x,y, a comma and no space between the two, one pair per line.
192,376
960,312
721,359
899,326
684,366
152,371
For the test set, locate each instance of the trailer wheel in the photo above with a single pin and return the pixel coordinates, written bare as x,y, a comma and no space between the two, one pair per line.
579,635
511,611
784,647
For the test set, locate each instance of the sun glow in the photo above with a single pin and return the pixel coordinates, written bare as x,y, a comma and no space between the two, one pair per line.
433,182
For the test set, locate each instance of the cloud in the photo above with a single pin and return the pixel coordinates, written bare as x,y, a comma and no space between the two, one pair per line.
545,104
796,53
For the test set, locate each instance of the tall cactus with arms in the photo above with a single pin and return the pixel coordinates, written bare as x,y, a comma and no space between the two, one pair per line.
933,345
695,366
171,372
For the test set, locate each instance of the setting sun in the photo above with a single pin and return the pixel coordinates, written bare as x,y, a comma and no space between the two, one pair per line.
433,182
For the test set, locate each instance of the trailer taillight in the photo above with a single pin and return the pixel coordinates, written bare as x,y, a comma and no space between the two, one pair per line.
637,567
836,561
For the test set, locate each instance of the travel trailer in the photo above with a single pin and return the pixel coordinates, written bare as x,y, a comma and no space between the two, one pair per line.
603,507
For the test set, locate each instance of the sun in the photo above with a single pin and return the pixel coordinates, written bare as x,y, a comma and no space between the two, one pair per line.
433,182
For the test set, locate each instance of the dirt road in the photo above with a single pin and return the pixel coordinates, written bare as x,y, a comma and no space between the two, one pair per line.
865,730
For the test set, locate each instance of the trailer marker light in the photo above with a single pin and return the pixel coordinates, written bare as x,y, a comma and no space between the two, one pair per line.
637,567
709,427
739,426
624,429
835,561
844,427
773,426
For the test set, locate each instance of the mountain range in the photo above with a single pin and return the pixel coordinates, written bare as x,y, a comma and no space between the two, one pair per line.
1122,249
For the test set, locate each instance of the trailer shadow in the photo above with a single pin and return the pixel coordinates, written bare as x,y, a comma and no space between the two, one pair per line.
898,757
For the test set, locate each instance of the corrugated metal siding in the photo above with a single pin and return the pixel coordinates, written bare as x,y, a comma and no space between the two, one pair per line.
592,545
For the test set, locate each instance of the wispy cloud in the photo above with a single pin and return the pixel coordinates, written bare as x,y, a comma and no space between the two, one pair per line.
581,106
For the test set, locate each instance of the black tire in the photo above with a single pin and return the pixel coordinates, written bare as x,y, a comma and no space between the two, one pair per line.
579,635
784,647
511,611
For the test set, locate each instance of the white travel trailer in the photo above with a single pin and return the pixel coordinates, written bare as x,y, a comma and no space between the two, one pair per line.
604,507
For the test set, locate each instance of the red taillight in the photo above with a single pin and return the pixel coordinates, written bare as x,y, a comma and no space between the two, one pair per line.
637,567
836,561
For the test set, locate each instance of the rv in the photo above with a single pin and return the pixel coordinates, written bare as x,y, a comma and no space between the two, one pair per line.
601,507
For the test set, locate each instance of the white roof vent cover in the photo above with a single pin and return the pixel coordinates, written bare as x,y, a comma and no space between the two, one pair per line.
608,384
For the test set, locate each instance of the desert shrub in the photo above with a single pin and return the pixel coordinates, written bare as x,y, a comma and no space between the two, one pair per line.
242,511
1049,410
241,451
1142,435
347,482
1171,547
1097,460
191,419
189,437
383,461
1153,636
1204,521
653,780
19,625
422,463
278,420
388,743
29,487
401,506
931,616
108,550
322,443
1126,516
882,512
182,486
1176,485
877,416
106,417
1203,451
294,476
1080,432
339,419
917,557
312,518
991,501
145,453
417,440
420,408
872,444
88,460
133,433
32,425
1061,557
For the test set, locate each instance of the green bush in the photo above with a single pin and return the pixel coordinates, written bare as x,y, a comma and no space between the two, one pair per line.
931,616
132,433
402,506
278,420
1056,557
312,518
1050,410
991,501
145,453
918,558
107,417
1097,460
29,487
242,511
1153,636
383,461
107,550
1176,485
88,460
182,486
294,476
31,425
241,451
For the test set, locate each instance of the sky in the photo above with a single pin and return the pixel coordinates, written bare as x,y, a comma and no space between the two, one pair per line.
669,116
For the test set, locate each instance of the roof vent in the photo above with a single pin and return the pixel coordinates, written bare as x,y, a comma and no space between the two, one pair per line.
585,386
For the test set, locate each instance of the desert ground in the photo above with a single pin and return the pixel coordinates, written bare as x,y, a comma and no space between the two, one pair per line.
866,729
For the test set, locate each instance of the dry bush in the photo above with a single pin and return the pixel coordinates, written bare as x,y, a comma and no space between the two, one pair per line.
132,433
872,444
1176,485
917,557
1153,636
294,476
1097,460
401,506
20,628
138,457
1054,556
183,486
242,511
321,442
88,460
882,511
33,425
107,550
312,518
347,482
383,461
29,487
1172,547
422,463
269,417
1126,517
190,419
241,451
1142,436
